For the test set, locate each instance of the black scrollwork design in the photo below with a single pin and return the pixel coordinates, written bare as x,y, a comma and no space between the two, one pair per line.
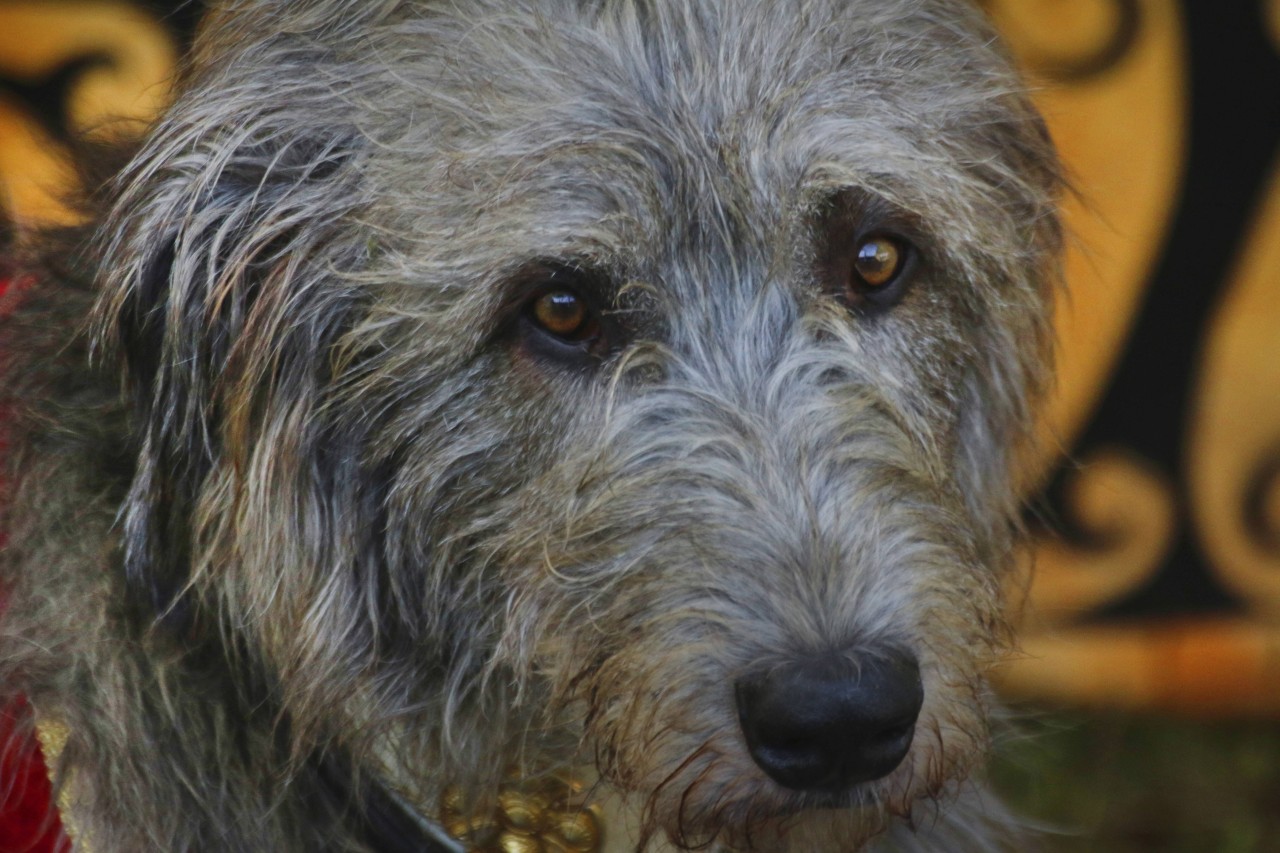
1094,58
180,17
1262,504
1148,407
46,98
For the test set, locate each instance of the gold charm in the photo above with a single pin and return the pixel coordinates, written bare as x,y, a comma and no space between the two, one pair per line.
531,817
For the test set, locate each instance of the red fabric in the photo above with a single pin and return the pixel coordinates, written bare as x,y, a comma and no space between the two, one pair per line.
28,821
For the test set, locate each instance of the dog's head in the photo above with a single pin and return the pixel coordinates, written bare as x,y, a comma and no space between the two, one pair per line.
620,383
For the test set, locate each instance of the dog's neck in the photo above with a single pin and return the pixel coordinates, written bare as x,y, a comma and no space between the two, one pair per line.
388,822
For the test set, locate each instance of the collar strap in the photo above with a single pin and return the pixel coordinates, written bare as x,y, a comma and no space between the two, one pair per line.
388,823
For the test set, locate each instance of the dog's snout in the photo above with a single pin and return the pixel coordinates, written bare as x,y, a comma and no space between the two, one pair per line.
825,724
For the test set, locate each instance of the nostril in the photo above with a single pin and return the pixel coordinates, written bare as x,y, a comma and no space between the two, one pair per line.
827,724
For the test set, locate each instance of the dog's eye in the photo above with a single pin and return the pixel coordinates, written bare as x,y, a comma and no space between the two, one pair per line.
877,262
869,273
560,317
867,252
564,314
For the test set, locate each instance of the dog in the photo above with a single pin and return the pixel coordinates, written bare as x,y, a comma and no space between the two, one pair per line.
537,425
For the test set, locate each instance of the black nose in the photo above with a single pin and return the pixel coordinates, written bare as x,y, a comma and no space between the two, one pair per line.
827,724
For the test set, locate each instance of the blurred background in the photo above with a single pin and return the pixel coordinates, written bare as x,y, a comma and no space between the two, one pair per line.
1146,694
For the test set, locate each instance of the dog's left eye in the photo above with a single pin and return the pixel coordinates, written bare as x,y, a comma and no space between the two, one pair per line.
864,266
878,262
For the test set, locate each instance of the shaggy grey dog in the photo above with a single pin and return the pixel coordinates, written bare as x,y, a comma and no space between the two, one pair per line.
479,392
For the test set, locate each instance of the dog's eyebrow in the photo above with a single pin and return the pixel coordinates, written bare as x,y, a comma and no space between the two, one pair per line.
846,200
589,279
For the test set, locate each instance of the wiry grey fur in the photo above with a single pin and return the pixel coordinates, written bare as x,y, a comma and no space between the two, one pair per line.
324,507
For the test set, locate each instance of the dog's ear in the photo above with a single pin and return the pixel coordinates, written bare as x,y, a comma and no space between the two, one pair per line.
221,282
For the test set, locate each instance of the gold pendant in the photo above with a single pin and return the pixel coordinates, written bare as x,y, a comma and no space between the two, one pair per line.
531,817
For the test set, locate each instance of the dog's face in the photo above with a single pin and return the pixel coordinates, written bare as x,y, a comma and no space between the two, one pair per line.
626,384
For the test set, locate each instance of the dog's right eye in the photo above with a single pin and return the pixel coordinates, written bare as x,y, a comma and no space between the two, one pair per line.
562,325
558,315
564,314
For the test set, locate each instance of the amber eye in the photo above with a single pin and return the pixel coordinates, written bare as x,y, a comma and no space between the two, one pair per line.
564,314
877,261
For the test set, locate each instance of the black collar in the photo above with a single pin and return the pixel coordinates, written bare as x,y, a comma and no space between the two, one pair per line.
385,821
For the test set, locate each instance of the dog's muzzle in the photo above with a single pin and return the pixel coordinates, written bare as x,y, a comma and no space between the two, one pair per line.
827,724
